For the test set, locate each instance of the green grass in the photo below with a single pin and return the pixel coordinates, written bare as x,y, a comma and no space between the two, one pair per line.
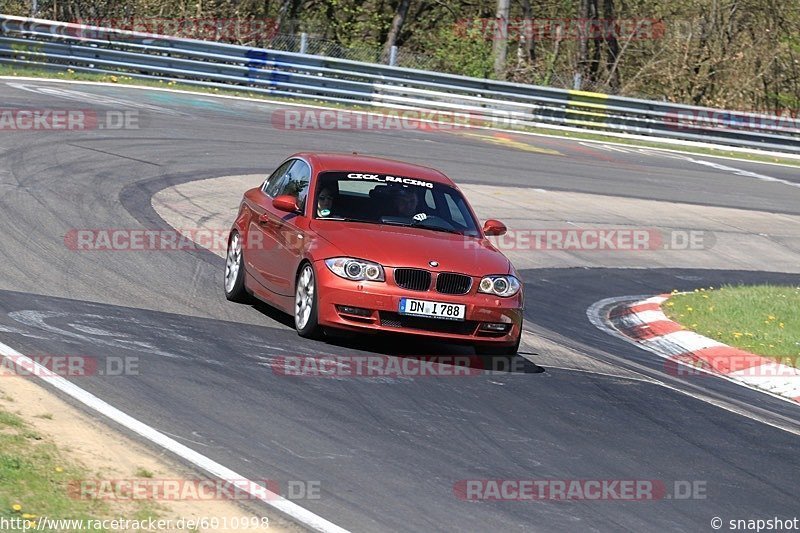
762,319
143,472
35,477
6,70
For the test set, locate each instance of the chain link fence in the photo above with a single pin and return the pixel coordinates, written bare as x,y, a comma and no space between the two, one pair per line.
305,44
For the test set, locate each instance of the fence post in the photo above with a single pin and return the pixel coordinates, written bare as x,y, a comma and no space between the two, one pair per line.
303,43
393,56
577,81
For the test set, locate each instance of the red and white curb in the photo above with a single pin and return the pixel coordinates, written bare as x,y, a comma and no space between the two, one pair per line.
688,353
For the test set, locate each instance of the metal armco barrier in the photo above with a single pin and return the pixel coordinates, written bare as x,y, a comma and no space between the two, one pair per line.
62,46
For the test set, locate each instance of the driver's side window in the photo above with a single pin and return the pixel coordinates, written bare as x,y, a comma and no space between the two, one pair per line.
274,183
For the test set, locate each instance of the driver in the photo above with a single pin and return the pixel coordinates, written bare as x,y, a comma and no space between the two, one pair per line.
325,201
405,202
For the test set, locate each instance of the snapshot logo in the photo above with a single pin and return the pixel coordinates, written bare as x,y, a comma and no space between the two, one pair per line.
600,239
785,120
19,119
209,29
576,489
373,366
334,119
192,489
68,366
535,29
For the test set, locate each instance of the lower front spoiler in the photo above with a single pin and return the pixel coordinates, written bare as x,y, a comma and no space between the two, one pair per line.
372,308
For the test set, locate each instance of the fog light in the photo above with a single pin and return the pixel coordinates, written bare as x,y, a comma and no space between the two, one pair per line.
349,310
495,326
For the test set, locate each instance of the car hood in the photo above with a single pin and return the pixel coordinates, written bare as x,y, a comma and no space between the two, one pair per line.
396,246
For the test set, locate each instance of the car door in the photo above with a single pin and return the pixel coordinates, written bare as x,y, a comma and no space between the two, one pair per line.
260,254
291,228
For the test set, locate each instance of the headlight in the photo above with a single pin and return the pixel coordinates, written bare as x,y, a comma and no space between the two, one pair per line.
504,286
355,269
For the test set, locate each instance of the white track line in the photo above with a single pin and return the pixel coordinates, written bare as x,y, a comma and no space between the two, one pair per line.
258,492
632,137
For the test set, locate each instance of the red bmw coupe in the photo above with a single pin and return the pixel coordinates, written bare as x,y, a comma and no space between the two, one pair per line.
373,245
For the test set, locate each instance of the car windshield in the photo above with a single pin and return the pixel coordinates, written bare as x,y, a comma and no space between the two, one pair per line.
393,200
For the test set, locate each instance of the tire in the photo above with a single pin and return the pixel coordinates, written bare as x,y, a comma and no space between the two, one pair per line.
305,303
235,290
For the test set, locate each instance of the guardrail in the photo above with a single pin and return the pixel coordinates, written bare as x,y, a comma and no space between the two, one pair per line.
62,46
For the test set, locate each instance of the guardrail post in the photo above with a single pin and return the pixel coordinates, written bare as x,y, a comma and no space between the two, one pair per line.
393,56
303,43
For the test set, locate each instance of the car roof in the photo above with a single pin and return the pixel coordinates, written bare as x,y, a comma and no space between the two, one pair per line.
322,162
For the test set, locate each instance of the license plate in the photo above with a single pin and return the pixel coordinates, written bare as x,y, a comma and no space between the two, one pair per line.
432,309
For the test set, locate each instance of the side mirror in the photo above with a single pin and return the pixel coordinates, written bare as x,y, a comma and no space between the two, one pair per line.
286,203
494,227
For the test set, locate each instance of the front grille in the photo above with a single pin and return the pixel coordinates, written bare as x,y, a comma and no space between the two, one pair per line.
449,283
396,320
412,279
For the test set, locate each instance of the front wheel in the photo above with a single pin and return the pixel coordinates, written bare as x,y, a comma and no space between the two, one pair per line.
234,271
305,304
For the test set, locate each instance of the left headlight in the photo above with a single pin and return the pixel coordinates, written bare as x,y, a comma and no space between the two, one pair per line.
504,286
355,269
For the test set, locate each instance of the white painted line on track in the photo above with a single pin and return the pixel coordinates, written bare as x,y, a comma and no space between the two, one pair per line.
643,138
276,501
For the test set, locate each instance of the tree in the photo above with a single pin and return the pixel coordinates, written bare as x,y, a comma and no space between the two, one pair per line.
397,25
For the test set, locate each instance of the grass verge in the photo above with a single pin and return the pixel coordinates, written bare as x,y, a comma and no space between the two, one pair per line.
6,70
35,478
762,319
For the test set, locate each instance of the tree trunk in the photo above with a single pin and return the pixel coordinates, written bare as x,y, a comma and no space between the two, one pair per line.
500,45
397,26
526,51
582,63
612,44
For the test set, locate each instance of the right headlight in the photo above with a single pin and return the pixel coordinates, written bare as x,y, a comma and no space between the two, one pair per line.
355,269
503,286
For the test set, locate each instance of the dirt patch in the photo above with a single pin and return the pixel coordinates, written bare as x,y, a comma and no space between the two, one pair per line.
110,455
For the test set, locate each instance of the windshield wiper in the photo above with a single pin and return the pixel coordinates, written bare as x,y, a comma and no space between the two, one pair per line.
345,219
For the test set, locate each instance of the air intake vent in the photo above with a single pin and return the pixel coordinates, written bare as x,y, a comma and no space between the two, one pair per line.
412,279
449,283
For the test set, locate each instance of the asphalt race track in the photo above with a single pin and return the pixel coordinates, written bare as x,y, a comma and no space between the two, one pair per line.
386,452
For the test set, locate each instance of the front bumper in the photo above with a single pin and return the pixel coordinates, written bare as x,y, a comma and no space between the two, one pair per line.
373,307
